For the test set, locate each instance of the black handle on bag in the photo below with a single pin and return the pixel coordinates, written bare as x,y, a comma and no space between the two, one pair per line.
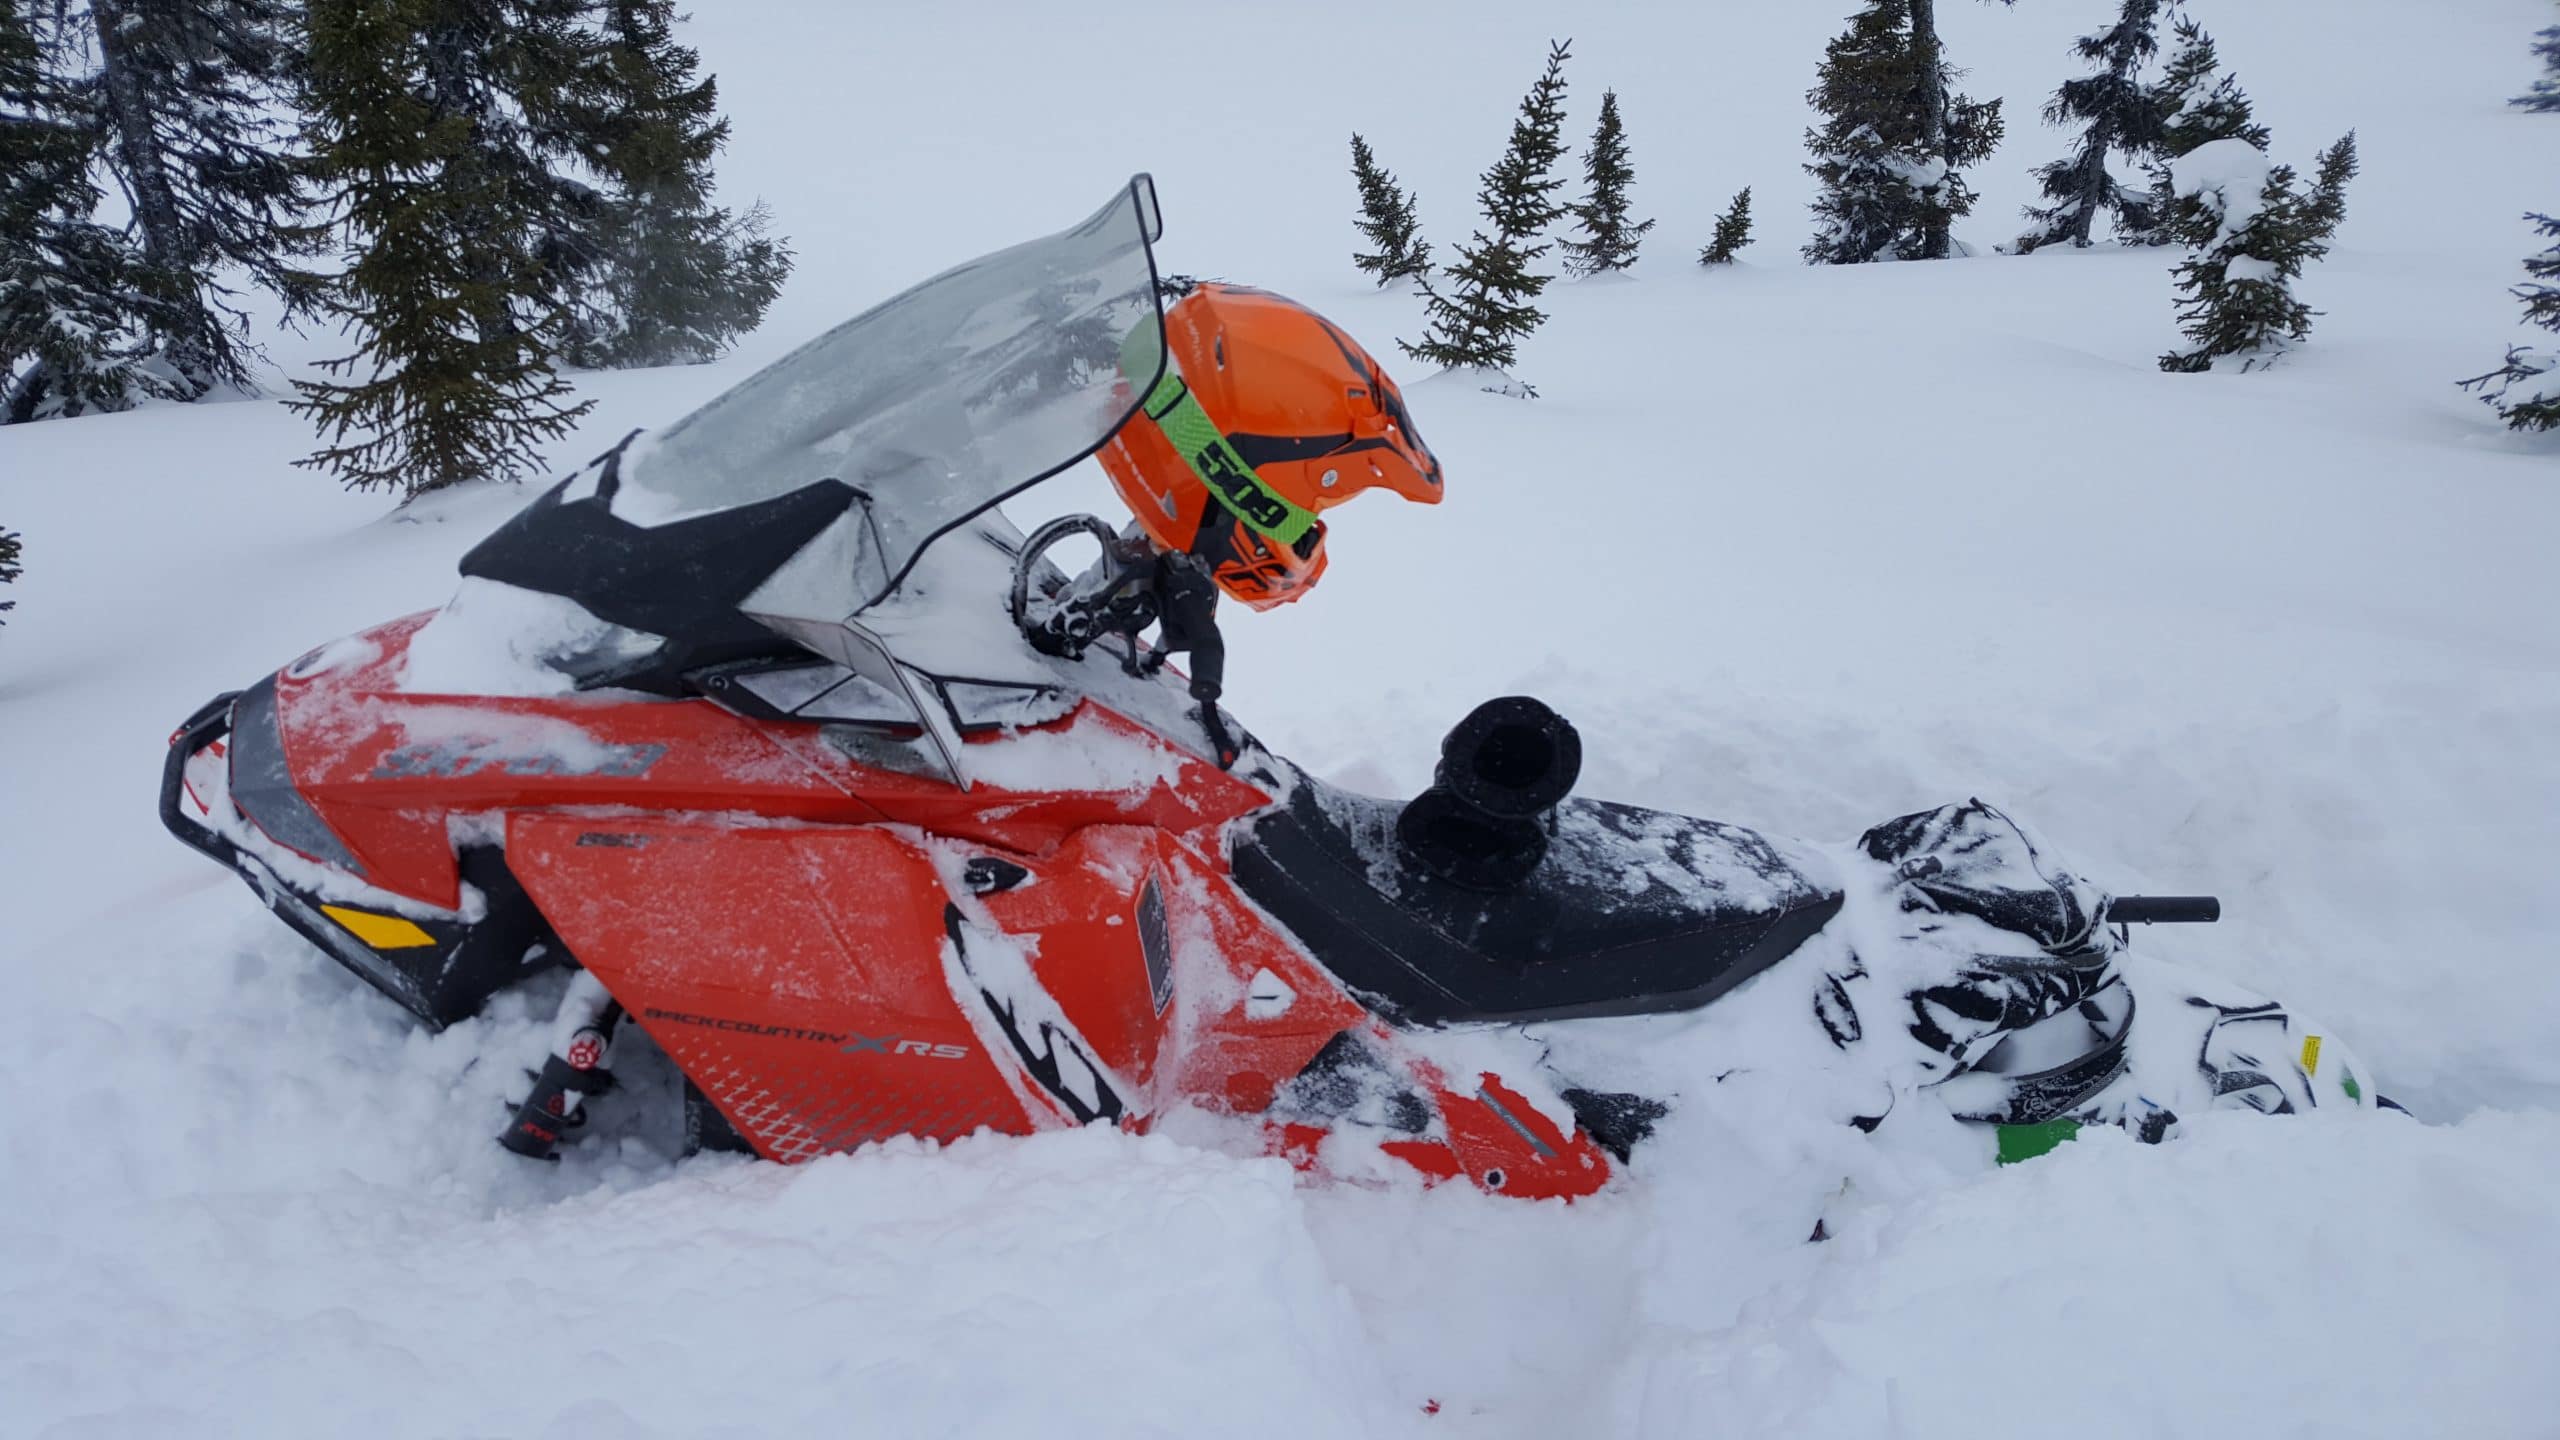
2164,909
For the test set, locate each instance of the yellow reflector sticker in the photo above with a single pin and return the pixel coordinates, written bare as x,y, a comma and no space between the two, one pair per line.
382,932
2310,1054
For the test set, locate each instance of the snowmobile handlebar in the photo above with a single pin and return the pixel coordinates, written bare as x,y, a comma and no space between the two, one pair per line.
2164,909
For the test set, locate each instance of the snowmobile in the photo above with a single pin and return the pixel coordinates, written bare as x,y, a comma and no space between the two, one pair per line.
776,735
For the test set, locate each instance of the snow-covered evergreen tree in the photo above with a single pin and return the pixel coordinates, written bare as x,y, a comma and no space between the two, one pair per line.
1609,239
1894,141
1486,311
438,124
2197,104
2525,390
670,277
1733,231
2117,112
12,546
187,92
1387,221
2545,94
2251,228
69,286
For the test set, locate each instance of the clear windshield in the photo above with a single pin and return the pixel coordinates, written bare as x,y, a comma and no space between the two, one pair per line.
938,404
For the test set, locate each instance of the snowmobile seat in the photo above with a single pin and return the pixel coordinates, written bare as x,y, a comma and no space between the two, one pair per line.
1633,911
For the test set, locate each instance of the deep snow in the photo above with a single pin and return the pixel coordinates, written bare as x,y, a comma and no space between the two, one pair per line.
1799,549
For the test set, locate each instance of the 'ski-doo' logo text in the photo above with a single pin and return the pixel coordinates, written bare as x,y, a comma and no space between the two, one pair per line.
845,1041
453,759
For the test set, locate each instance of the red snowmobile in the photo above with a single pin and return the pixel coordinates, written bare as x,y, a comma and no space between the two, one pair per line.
780,737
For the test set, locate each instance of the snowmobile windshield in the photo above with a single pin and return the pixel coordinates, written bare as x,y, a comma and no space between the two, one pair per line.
935,405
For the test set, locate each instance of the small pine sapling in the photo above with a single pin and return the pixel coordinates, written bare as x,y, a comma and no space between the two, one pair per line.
2526,389
1387,221
2196,104
1609,238
1733,232
1479,322
2252,229
11,547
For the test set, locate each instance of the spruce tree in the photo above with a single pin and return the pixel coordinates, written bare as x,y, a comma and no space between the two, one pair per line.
1481,321
12,545
1609,239
2118,112
1895,139
69,286
1955,130
438,123
2197,104
186,93
2526,389
668,277
2252,228
1387,221
2545,94
1733,231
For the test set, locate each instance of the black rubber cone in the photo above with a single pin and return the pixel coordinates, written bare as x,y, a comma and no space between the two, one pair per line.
1512,758
1467,847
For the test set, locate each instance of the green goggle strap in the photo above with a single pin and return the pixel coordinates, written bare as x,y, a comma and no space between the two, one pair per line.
1212,457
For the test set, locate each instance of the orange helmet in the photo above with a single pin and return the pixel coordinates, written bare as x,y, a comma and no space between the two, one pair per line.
1267,414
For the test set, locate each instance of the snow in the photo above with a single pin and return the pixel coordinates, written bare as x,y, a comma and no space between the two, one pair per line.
1086,755
2249,267
497,639
2286,637
2229,175
2538,377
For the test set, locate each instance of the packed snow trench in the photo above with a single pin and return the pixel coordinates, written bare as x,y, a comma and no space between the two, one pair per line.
1800,549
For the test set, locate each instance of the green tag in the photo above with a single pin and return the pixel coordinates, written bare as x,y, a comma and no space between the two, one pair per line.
1205,448
2026,1142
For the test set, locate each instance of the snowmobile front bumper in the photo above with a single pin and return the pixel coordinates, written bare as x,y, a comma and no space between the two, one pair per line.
440,968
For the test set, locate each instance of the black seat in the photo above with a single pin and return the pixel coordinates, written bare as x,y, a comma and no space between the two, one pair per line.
1632,912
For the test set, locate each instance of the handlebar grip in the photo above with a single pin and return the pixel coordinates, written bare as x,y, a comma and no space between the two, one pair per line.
2164,909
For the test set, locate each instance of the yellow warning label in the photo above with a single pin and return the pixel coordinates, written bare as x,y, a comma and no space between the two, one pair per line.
2310,1054
382,932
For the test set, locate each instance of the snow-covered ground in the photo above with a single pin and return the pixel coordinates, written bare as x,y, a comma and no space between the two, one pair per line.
1802,549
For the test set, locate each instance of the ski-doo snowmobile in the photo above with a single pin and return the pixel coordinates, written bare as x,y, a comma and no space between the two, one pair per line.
776,734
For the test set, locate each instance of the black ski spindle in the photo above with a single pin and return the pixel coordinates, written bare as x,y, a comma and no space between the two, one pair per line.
556,1104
